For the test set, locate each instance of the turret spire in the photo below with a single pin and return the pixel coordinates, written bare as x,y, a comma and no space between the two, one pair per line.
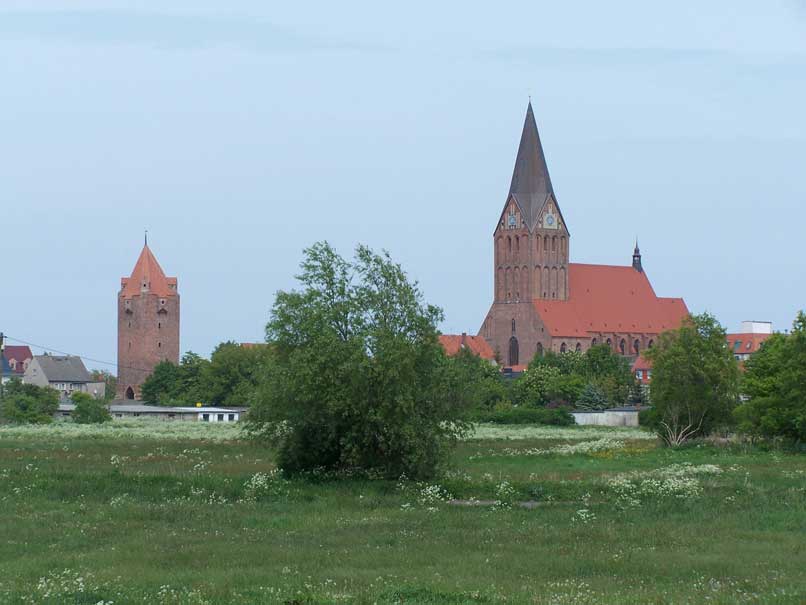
636,257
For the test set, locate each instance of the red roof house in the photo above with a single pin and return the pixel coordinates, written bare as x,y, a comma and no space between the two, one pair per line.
453,343
18,358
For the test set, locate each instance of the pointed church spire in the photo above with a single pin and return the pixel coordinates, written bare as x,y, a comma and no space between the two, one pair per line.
531,184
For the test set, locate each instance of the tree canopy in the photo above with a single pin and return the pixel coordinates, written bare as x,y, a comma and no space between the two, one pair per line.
775,382
358,379
565,377
695,380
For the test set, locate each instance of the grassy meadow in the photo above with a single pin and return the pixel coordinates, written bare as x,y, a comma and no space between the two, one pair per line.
175,513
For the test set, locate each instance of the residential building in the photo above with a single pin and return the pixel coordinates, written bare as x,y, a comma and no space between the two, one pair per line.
5,371
542,301
748,341
18,358
148,323
453,343
64,373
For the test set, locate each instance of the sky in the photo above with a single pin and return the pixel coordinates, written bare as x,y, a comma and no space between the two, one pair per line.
240,133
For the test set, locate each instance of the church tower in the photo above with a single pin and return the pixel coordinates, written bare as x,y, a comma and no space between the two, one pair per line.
531,252
148,323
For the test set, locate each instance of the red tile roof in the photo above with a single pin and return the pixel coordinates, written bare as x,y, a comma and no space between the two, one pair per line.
452,343
20,354
605,299
148,271
748,343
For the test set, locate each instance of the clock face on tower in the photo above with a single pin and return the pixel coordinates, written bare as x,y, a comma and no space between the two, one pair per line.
550,221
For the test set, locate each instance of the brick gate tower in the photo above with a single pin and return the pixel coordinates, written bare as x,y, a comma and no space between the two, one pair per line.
148,323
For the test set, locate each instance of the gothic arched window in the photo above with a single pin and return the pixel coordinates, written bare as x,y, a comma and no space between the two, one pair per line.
651,343
636,346
513,326
539,351
513,351
594,342
609,344
578,347
622,346
562,348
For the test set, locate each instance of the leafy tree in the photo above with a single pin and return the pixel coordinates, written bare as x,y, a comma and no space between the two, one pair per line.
89,410
561,378
694,381
775,382
359,379
610,372
535,384
110,383
162,384
28,403
565,389
233,374
592,398
479,382
171,384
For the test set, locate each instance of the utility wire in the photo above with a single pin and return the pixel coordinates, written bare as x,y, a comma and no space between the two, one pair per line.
108,363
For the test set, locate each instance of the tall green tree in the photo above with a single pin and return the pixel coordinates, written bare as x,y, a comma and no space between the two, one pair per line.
233,374
775,382
171,384
695,380
359,379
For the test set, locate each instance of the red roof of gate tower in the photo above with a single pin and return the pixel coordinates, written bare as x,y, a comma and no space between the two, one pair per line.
148,274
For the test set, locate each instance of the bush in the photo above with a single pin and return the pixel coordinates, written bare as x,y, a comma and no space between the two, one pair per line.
28,403
522,415
89,410
358,379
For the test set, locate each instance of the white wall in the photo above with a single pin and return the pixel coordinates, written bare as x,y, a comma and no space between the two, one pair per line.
606,418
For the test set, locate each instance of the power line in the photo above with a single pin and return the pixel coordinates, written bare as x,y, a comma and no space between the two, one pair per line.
108,363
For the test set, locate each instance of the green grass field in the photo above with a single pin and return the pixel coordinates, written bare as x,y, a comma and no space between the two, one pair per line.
187,513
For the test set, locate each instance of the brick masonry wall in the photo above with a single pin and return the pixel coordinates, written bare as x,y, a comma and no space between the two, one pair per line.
148,332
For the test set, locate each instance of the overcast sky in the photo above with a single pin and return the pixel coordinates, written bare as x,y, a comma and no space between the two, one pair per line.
239,133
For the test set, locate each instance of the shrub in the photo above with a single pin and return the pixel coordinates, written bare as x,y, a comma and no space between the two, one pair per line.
28,403
89,410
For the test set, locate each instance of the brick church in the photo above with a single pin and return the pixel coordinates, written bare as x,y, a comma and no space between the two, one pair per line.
148,323
542,302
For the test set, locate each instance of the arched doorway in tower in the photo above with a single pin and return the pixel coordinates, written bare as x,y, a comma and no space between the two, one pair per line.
513,351
129,393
